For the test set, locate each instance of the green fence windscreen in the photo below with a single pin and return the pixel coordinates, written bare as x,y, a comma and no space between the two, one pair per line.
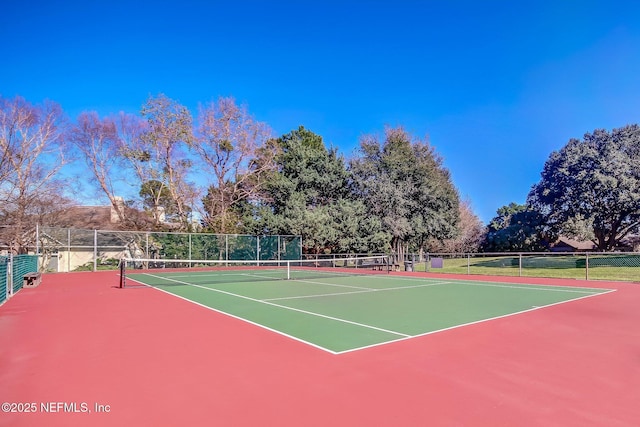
22,264
3,279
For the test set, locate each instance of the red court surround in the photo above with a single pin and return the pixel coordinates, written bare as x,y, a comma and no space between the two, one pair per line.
150,359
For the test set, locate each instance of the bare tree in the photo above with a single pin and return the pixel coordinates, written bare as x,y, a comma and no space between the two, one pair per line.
232,146
6,147
160,153
33,154
97,141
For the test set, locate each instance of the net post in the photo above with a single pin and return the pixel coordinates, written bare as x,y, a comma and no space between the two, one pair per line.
123,268
288,270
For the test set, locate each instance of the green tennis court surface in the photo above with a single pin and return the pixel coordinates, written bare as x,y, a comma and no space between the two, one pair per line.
345,313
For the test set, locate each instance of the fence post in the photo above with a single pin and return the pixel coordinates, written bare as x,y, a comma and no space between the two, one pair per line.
586,264
519,265
468,264
10,275
95,250
6,280
40,259
68,250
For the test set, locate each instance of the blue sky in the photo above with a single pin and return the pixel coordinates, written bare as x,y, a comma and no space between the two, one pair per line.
495,85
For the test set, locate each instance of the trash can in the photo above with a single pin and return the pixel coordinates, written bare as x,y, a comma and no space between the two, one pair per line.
408,266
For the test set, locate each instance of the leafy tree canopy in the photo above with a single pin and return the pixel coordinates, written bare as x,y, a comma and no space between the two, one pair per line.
595,183
516,228
309,195
406,187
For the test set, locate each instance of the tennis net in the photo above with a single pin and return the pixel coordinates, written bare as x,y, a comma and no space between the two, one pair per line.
228,271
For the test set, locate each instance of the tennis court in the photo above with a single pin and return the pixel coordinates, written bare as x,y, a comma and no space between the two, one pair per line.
254,345
345,309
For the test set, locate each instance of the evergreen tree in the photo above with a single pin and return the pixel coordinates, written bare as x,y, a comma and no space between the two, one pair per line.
517,228
310,195
406,188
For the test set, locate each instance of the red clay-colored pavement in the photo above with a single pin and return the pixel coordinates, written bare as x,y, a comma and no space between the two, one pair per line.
149,359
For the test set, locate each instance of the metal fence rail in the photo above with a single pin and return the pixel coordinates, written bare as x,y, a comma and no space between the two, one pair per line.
619,266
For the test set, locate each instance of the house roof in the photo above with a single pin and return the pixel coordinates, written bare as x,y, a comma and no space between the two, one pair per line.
578,245
86,217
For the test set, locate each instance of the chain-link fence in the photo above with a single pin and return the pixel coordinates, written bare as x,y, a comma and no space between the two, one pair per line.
619,266
67,249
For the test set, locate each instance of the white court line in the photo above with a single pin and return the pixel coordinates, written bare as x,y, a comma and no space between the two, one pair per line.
596,292
261,276
315,282
475,322
283,306
218,274
236,317
526,286
365,290
550,288
536,286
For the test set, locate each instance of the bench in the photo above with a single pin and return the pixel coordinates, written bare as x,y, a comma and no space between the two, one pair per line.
31,280
373,265
380,266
